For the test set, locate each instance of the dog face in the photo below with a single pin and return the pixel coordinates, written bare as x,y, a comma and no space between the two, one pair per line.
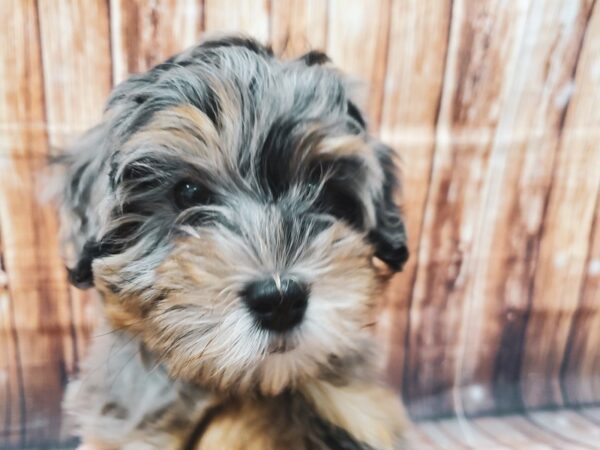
229,208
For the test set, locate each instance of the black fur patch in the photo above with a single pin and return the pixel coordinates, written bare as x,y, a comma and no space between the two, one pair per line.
337,438
315,57
274,157
354,112
389,236
114,242
81,275
336,197
139,99
199,430
210,105
393,254
138,170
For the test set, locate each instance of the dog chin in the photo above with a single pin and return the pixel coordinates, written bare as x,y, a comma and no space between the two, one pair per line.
280,371
281,343
286,362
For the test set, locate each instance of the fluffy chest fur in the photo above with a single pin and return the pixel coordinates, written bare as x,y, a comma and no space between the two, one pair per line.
317,418
123,400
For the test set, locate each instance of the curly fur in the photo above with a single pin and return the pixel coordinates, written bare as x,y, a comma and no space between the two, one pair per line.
292,185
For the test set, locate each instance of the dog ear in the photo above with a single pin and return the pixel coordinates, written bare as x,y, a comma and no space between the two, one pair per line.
389,234
315,57
81,178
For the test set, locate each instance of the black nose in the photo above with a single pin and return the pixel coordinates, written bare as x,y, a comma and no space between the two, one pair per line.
277,307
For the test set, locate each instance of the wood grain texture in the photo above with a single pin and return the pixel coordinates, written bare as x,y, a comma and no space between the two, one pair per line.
10,369
298,26
508,224
413,86
249,17
357,40
145,33
35,318
565,429
75,92
483,45
568,223
580,371
492,109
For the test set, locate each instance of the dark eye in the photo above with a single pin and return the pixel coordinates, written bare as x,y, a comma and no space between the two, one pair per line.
188,194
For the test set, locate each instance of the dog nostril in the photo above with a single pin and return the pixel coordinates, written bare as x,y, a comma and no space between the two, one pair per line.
277,308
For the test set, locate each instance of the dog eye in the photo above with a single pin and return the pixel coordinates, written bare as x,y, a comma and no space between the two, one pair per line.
188,194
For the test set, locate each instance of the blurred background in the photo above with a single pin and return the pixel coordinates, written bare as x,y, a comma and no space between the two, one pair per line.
494,109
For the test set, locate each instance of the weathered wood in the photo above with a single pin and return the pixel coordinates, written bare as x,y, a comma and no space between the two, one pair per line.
467,432
505,434
10,385
542,431
36,317
581,365
249,17
483,45
509,220
413,83
568,426
492,108
75,92
298,26
357,40
146,33
435,434
566,235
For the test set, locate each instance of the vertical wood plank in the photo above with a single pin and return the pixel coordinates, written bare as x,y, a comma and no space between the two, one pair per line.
9,369
75,49
580,371
146,33
357,41
413,83
509,222
38,306
567,226
484,42
298,26
238,16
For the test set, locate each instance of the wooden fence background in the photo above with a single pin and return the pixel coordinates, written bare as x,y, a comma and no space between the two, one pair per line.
494,106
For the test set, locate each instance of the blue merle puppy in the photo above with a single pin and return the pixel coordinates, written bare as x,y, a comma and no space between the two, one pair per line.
236,218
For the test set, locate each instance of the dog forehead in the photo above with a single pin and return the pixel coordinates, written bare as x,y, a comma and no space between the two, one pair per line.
231,78
243,91
287,149
235,109
284,138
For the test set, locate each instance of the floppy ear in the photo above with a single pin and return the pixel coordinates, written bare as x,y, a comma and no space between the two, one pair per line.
82,178
389,234
315,57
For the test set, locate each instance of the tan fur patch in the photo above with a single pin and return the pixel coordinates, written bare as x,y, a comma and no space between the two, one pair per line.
184,131
371,413
251,426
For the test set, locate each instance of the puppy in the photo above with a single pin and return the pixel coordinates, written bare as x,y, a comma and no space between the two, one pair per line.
230,209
